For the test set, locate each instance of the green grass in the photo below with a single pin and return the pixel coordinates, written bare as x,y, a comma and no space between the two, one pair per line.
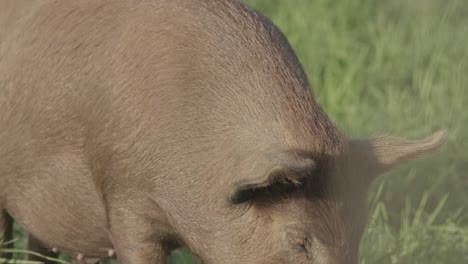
393,67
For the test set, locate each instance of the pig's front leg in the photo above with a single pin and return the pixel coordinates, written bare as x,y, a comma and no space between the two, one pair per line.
138,238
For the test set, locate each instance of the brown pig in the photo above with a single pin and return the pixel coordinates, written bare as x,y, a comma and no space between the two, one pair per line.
140,125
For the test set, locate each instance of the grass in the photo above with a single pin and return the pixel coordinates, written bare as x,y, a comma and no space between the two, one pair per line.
393,67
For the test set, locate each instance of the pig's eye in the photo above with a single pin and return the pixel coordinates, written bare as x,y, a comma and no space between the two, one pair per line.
282,187
277,181
274,189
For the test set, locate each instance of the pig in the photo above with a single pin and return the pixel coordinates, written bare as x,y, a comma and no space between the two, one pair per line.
143,125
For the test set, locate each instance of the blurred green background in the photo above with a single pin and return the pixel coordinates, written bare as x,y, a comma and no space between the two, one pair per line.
393,67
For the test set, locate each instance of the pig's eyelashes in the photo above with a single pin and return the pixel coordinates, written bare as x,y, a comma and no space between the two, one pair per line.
275,189
276,181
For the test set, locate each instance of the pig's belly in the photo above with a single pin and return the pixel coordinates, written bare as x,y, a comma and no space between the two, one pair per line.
62,209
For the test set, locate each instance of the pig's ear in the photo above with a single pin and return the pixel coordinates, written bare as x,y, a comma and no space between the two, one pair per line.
380,154
281,178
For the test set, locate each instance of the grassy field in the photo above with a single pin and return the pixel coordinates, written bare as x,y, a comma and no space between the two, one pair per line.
393,67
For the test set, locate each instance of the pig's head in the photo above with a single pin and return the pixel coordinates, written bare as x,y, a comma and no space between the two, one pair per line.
310,209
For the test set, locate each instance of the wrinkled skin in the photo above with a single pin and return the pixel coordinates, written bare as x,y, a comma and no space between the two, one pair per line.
143,125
